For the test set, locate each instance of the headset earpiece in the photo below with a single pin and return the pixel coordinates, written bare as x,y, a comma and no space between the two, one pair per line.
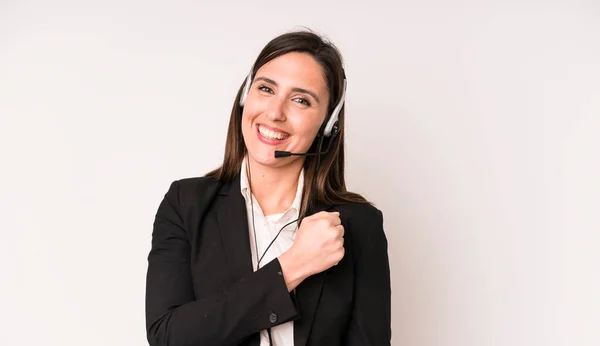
333,119
246,90
335,129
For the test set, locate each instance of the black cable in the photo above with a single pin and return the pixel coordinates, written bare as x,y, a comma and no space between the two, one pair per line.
272,241
255,239
252,206
258,260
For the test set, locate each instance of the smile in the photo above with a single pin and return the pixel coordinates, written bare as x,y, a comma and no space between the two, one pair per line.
271,135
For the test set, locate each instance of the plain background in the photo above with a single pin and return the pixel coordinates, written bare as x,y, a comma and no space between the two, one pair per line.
473,125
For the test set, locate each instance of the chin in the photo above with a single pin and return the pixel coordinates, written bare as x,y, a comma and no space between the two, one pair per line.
265,157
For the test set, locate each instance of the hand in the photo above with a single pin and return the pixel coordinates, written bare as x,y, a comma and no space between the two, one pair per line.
319,245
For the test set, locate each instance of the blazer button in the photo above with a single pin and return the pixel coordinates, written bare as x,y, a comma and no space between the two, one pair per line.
273,317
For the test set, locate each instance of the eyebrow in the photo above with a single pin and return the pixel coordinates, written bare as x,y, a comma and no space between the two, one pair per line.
270,81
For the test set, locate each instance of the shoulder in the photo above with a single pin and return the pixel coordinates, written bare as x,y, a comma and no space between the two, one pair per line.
191,190
363,223
195,184
360,212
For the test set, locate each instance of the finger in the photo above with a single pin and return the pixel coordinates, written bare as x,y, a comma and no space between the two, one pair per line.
320,215
340,229
336,220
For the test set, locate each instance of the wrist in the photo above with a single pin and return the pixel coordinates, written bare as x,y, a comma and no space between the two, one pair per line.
291,270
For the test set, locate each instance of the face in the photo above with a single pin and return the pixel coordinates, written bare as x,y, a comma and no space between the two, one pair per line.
285,108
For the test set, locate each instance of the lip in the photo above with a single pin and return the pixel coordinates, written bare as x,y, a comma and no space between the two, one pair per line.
270,141
274,129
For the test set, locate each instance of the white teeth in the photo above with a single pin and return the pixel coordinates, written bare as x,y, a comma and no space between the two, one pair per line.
271,134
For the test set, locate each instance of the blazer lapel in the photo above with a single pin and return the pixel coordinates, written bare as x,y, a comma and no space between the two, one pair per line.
308,294
233,224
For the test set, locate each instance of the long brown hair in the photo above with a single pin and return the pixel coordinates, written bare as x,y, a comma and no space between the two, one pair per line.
323,181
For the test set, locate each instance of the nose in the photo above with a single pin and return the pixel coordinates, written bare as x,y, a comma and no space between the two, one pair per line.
276,109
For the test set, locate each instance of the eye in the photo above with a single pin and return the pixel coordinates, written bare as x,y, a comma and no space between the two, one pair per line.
303,101
265,89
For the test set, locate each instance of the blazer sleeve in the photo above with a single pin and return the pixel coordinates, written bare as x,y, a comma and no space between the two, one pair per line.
173,314
370,323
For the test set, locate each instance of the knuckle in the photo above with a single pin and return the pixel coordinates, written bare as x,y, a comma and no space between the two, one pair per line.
315,216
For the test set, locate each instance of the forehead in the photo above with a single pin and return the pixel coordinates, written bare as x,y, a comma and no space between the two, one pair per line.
296,69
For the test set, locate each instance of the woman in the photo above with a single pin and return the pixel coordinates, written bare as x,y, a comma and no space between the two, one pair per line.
272,250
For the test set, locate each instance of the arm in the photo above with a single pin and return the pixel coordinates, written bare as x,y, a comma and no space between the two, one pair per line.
174,316
370,323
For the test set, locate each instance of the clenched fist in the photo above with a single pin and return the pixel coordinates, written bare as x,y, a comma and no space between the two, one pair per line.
318,246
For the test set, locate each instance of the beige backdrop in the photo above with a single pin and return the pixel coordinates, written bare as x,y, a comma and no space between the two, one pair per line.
472,125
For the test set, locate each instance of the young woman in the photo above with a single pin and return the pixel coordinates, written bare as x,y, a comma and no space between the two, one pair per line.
270,250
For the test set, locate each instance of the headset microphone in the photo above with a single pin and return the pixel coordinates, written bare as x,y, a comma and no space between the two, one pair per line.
280,154
334,132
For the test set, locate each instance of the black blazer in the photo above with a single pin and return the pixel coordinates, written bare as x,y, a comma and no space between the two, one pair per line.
201,289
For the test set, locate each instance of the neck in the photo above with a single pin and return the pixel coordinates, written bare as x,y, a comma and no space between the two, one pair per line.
274,187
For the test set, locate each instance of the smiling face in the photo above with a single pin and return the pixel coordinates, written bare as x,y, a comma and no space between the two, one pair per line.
285,108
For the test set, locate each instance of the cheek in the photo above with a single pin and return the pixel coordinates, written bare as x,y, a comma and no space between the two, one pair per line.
246,128
248,116
306,130
250,112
